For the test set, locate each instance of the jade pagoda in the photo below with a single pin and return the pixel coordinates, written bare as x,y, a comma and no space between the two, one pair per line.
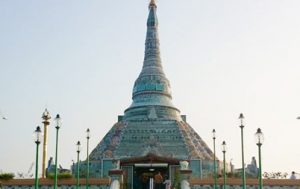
152,135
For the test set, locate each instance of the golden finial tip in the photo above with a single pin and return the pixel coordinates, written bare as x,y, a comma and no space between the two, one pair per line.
152,2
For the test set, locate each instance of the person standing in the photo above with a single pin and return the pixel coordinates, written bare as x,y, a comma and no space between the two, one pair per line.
293,175
167,183
158,181
145,184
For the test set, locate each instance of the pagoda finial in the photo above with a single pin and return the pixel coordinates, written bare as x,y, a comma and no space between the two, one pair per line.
152,3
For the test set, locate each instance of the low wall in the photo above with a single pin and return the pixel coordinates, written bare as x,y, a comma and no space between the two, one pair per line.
48,183
195,184
251,183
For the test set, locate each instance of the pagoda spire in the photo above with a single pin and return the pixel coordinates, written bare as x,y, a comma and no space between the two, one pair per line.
152,51
152,89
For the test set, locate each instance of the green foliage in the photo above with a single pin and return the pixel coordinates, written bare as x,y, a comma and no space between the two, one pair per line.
60,175
176,184
6,176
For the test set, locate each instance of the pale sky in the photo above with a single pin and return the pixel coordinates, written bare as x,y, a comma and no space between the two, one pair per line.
81,58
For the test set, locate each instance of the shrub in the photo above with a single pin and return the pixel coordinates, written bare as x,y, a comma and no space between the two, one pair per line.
6,176
60,175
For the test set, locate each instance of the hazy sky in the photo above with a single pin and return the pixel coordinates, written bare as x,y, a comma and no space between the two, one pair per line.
81,58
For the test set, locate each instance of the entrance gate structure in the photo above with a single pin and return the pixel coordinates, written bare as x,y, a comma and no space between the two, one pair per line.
138,171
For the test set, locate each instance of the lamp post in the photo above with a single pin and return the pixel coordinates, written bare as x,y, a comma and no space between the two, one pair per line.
46,117
78,151
58,124
88,135
242,141
215,168
224,164
37,140
259,140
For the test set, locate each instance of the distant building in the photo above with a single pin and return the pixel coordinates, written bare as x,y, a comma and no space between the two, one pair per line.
51,168
152,135
251,169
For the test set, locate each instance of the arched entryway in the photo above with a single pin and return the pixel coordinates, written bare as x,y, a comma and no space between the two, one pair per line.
139,171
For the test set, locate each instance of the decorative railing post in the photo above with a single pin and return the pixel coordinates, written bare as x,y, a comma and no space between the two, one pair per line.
116,176
185,173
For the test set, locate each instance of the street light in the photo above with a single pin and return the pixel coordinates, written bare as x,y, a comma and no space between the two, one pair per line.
259,140
78,151
224,164
242,140
46,117
215,170
37,140
58,124
88,135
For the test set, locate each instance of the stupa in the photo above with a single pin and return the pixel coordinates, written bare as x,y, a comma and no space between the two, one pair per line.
152,135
